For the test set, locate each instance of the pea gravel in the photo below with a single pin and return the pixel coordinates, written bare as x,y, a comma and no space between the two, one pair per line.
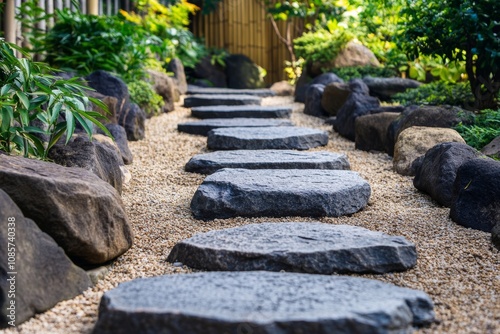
456,266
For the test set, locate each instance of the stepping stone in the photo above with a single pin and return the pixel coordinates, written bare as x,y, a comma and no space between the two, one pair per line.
311,247
279,138
194,90
261,302
208,163
217,100
204,126
280,193
250,111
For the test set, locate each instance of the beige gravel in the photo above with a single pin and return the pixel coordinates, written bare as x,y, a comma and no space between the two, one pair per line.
456,266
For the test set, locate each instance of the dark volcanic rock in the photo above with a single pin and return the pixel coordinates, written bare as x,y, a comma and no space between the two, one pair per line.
242,112
323,79
313,248
213,73
495,236
476,194
438,169
280,138
371,131
261,92
385,88
109,85
313,105
165,87
242,73
120,136
220,100
133,119
175,66
334,97
261,302
83,214
208,163
204,126
280,193
356,105
44,274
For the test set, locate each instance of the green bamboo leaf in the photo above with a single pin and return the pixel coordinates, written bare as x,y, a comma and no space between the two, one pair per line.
70,125
56,136
23,98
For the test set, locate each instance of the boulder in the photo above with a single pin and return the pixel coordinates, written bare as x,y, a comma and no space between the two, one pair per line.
243,73
213,74
476,195
386,88
261,302
110,101
414,142
175,66
492,149
84,214
204,126
109,85
249,111
438,169
309,247
234,192
41,277
133,119
334,97
101,159
120,136
428,116
495,236
313,105
323,79
371,131
165,87
283,88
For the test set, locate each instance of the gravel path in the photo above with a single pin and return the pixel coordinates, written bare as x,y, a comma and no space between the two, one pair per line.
457,267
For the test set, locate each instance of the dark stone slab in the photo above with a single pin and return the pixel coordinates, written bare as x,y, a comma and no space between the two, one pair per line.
280,138
241,112
196,90
261,303
386,88
204,126
221,100
310,247
280,193
208,163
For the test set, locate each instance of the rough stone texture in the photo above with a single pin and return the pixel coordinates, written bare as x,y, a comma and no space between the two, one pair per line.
371,131
204,126
495,236
283,88
208,163
280,193
280,138
163,86
309,247
220,100
313,105
429,116
44,274
83,214
414,142
492,149
242,73
323,79
196,90
385,88
109,85
206,71
334,97
132,118
110,101
438,169
120,136
261,303
242,112
175,66
93,156
476,194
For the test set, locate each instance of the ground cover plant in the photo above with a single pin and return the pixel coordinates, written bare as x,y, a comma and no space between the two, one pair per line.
484,128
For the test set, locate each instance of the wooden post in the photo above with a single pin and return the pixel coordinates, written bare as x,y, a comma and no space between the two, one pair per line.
92,7
10,21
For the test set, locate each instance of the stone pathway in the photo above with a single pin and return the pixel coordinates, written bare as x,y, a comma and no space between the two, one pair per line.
204,126
209,163
248,111
196,90
217,100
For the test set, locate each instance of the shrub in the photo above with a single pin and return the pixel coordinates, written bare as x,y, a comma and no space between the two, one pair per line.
436,93
348,73
484,128
143,94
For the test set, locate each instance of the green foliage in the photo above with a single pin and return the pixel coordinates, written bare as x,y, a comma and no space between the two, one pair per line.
437,93
348,73
29,97
209,6
30,15
218,56
437,68
315,12
484,128
143,94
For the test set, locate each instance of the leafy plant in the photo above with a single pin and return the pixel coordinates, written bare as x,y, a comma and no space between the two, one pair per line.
28,97
143,94
348,73
436,93
484,128
437,68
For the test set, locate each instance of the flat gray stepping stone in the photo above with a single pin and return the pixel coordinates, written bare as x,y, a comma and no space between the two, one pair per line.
261,302
250,111
313,248
279,193
224,100
279,138
208,163
204,126
194,90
